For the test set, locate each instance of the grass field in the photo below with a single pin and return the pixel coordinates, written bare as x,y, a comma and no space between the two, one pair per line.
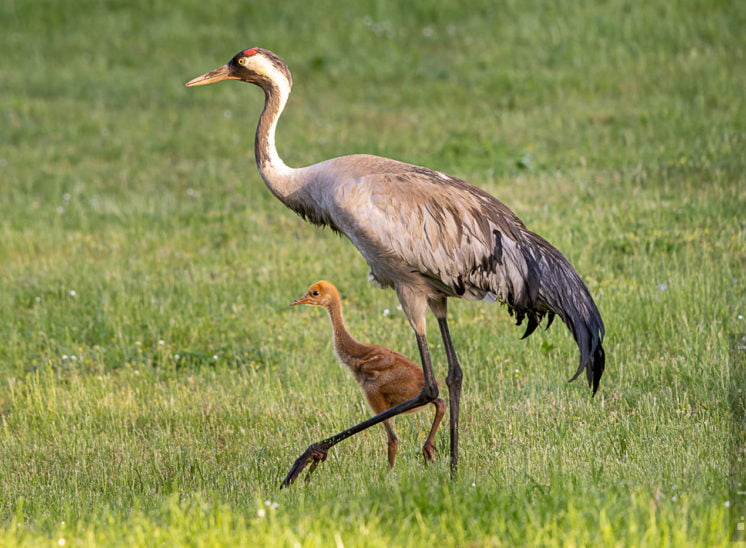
154,385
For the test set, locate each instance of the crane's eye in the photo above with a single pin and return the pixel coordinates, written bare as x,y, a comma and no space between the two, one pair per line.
242,61
315,293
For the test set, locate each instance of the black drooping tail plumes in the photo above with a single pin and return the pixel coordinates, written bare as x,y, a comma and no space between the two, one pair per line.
562,292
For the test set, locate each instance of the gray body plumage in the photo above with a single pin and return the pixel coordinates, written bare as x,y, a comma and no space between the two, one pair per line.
425,229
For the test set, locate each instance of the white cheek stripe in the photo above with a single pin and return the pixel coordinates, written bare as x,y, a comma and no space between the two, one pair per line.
265,67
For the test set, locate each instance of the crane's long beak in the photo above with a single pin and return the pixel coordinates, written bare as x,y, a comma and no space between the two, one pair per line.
217,75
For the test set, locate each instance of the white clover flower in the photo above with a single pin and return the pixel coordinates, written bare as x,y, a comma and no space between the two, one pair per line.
428,32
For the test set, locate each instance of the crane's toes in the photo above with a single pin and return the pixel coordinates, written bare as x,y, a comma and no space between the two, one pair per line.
315,454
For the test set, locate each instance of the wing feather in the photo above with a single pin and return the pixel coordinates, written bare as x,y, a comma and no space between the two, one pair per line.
472,243
418,226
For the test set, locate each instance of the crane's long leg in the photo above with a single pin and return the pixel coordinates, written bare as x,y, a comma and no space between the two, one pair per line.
453,380
317,452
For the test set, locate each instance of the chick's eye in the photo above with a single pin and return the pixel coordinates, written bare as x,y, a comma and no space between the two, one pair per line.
315,293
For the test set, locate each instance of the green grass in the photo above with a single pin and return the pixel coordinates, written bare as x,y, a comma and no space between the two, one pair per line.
154,385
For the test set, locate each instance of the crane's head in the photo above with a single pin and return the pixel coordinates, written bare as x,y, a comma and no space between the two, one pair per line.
321,293
255,65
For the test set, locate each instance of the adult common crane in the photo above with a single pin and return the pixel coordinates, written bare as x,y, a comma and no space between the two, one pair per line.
427,235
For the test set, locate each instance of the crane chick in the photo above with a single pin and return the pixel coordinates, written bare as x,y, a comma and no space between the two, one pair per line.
387,378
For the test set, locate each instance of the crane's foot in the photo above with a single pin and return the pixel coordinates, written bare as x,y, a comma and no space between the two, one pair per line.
316,453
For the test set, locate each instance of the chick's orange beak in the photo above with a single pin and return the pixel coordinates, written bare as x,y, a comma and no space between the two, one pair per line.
217,75
302,300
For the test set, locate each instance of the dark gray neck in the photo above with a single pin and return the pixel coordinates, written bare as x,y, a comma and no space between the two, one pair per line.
265,150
